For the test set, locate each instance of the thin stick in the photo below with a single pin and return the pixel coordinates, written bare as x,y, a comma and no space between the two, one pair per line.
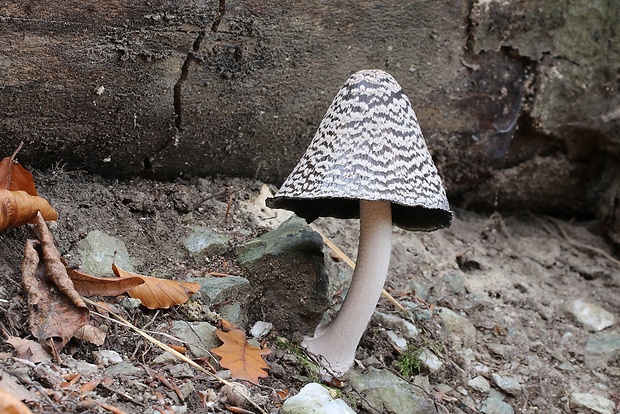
350,262
177,354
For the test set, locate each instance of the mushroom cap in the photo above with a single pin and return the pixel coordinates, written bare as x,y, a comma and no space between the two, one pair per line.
369,146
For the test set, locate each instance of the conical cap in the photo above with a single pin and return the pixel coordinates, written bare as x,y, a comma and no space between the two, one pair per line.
369,146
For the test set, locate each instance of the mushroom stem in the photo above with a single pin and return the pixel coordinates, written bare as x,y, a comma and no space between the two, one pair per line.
335,343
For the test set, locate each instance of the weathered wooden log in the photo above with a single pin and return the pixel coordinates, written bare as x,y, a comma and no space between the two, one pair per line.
506,93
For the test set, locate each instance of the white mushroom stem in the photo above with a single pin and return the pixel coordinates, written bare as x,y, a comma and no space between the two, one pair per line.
335,344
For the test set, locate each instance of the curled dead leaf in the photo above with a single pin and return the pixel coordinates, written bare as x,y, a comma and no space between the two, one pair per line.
18,208
157,293
14,177
88,285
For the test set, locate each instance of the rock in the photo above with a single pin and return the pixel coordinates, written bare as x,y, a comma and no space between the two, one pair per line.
507,352
479,384
508,384
314,399
455,282
233,394
594,402
601,348
217,290
494,404
397,340
124,369
288,275
430,361
99,250
107,357
202,241
198,336
405,328
592,316
260,329
385,392
458,325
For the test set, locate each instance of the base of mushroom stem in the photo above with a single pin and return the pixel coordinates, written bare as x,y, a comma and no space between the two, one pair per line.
327,370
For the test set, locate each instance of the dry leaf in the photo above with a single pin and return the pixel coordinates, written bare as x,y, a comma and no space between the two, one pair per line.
158,293
18,208
29,349
242,359
54,267
54,305
14,177
90,334
11,405
88,285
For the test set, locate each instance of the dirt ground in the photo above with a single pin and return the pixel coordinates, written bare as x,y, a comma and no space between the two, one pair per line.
511,276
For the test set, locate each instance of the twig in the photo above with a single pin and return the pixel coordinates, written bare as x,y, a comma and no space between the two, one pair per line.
348,261
177,354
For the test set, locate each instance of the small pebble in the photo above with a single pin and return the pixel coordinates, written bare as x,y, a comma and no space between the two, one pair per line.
479,384
592,316
594,402
107,357
507,384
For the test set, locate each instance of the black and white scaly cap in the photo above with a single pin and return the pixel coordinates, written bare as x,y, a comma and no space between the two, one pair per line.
369,146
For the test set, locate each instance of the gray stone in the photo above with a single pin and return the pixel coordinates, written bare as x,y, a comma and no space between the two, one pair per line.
494,404
592,316
199,336
218,290
479,384
314,399
99,250
202,241
405,328
107,357
124,369
508,384
457,324
286,267
602,348
455,281
388,393
214,290
430,361
594,402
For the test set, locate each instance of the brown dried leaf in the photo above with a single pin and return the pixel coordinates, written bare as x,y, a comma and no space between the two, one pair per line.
158,293
11,405
29,349
90,334
242,359
54,267
54,314
18,208
14,177
88,285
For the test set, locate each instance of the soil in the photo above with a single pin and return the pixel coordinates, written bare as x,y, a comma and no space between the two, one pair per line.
511,276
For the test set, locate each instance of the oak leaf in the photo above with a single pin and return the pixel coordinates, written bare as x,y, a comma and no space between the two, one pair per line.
88,285
243,360
14,177
157,293
18,208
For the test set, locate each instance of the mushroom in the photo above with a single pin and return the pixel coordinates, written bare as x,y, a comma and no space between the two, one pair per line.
368,160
